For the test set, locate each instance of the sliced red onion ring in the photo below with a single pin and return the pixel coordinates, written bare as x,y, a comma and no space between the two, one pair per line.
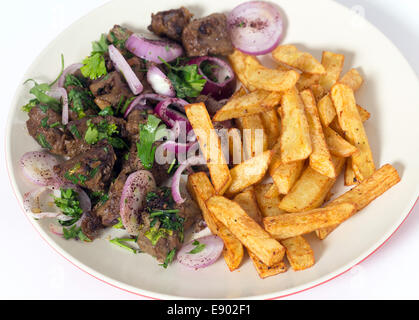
122,66
55,229
225,85
256,27
152,50
69,70
61,93
135,189
38,167
160,83
193,161
210,253
141,102
177,147
170,116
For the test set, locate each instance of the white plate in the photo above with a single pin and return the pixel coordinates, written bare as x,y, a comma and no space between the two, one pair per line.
390,93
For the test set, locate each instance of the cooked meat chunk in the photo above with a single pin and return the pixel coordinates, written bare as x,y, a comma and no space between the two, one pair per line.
162,233
118,36
92,169
134,119
207,36
159,170
212,105
110,90
170,23
44,125
91,225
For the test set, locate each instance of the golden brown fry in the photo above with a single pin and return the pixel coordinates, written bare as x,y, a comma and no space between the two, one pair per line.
201,189
255,140
337,145
238,64
249,173
268,206
250,234
365,192
320,158
333,63
299,253
327,110
351,123
310,191
307,80
247,200
364,114
290,225
263,78
352,79
295,134
210,145
349,177
291,56
265,271
318,91
235,145
271,125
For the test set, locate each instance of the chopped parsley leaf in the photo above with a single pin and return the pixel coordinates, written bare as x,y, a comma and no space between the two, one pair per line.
75,233
43,141
198,247
95,66
73,129
69,204
169,258
120,242
108,111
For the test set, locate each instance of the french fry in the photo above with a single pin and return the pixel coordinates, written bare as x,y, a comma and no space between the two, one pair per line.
307,80
364,114
320,158
201,189
263,78
271,124
333,63
349,176
235,145
299,253
318,91
289,225
291,56
247,200
210,145
249,173
310,191
284,175
337,145
327,110
365,192
272,192
295,134
238,64
250,234
265,271
255,140
352,79
351,123
268,206
248,104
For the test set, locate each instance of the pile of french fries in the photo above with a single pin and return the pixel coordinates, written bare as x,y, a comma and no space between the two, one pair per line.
313,130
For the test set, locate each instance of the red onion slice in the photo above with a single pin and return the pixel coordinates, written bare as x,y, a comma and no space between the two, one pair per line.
210,253
55,229
193,161
133,196
160,83
177,147
141,102
38,167
122,66
170,116
153,50
69,70
225,85
61,93
256,27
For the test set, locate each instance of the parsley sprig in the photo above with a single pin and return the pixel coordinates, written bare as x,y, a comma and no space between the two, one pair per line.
169,258
69,204
198,247
94,66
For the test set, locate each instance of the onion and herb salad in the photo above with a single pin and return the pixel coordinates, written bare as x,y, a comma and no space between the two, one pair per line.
103,122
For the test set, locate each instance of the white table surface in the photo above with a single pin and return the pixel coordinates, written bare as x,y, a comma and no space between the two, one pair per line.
30,269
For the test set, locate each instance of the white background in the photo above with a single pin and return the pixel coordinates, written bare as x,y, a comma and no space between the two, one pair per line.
30,269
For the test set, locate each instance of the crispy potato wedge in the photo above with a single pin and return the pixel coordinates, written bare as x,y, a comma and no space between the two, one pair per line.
271,124
337,145
268,206
291,56
249,173
352,79
299,253
237,61
320,158
364,114
327,110
295,134
307,80
349,176
255,140
235,145
248,104
333,63
247,200
318,91
201,189
272,192
351,123
265,271
365,192
263,78
310,191
210,145
250,234
290,225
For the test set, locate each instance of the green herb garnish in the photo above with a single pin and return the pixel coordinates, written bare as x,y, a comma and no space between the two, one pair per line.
108,111
94,66
198,247
119,225
120,242
169,258
73,129
43,141
69,204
